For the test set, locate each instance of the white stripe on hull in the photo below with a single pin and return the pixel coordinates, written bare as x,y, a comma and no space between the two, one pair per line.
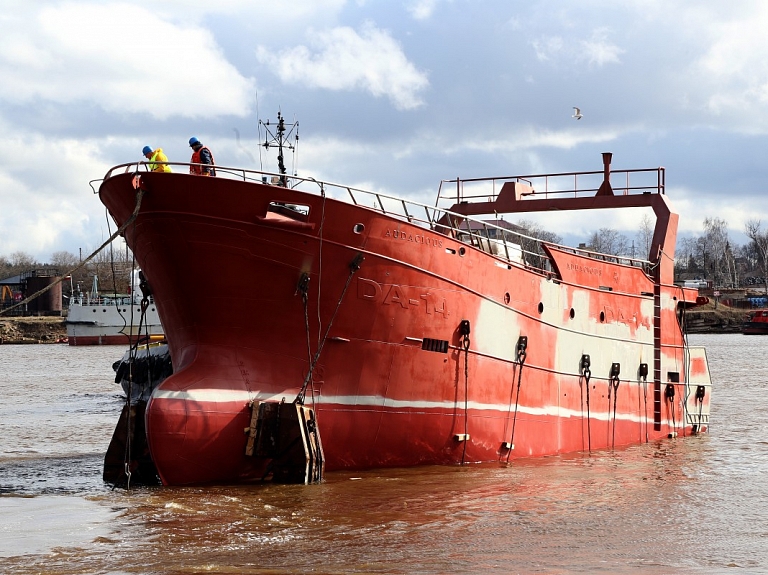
217,396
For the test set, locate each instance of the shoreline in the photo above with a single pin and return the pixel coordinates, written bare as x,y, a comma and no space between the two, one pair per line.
15,330
708,319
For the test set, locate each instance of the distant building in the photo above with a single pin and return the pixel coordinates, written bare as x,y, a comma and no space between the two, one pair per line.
15,288
10,291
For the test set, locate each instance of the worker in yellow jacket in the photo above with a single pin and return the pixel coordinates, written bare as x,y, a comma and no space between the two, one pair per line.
158,161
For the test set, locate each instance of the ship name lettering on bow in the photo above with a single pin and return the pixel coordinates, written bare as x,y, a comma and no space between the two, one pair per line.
406,297
414,238
584,269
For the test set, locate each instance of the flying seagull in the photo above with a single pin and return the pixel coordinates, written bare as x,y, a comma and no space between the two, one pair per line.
577,113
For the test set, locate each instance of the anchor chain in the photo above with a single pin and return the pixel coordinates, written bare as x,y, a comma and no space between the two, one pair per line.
701,392
464,330
522,347
586,374
643,372
146,292
354,266
614,383
119,231
669,395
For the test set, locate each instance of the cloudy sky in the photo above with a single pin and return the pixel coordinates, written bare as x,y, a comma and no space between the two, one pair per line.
390,95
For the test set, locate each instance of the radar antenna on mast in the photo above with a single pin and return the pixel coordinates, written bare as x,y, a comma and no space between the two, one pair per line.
283,136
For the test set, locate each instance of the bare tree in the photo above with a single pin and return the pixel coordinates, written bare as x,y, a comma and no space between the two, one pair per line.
686,256
534,230
113,267
64,260
759,242
716,246
5,267
22,260
18,263
531,244
608,241
645,235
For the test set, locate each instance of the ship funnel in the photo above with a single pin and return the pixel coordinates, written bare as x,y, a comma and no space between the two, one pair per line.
605,187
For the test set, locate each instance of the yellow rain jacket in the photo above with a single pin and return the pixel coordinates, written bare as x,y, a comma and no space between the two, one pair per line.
155,162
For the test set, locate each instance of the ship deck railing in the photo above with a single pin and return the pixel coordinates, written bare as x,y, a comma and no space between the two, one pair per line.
81,299
555,185
508,245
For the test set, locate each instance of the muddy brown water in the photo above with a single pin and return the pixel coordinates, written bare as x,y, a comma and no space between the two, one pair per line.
688,505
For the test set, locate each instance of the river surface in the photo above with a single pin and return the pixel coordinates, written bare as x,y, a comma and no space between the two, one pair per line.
688,505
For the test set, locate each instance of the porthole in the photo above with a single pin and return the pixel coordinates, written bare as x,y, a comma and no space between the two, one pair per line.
462,251
602,317
573,313
541,307
506,298
358,229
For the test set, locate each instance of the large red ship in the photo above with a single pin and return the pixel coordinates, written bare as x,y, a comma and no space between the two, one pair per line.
417,334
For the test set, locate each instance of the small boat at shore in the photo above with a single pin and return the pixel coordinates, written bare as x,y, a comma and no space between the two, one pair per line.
116,319
403,333
756,323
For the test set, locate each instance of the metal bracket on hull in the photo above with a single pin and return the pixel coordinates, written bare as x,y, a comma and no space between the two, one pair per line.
287,435
700,419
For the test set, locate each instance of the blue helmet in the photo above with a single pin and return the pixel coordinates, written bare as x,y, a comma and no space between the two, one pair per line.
193,141
146,150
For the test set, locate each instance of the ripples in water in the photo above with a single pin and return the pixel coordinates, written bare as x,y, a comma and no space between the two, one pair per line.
692,505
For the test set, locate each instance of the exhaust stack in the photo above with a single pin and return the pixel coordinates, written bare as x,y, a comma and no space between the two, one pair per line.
605,187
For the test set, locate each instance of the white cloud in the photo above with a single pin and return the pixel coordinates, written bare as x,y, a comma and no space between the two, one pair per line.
599,51
524,139
260,10
696,72
547,48
422,9
596,50
344,59
44,202
734,66
121,57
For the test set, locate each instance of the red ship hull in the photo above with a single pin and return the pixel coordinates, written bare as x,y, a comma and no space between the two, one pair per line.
384,303
756,323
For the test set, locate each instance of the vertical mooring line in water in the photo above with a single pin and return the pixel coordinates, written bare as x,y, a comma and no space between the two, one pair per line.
522,346
587,374
464,330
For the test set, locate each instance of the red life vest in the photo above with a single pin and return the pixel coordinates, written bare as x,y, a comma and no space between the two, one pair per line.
198,170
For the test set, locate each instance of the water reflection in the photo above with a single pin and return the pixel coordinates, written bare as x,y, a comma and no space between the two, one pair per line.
690,505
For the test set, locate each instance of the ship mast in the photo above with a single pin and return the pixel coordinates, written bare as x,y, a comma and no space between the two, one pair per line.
281,137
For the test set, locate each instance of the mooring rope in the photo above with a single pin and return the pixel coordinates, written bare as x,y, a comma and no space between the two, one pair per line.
587,374
645,404
120,230
354,265
669,394
522,344
615,382
465,344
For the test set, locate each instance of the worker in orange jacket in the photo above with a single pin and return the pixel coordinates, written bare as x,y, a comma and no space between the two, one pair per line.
158,161
202,159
